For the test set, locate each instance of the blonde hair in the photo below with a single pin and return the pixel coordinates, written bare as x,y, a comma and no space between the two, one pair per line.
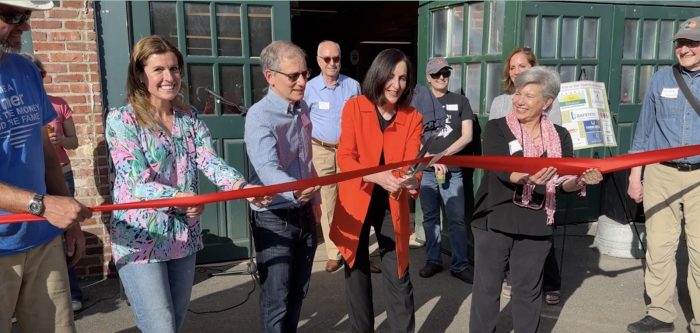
136,90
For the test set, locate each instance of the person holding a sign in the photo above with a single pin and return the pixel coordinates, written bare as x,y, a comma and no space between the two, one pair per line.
670,117
378,127
514,212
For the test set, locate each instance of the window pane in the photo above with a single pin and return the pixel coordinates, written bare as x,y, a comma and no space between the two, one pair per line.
649,39
201,78
231,88
494,73
163,20
549,37
440,33
530,29
259,83
588,72
569,37
455,84
568,73
498,9
228,29
260,28
197,29
590,38
476,28
666,40
629,42
457,30
473,79
627,80
645,73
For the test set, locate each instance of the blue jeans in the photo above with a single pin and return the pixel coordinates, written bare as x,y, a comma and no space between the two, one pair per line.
285,245
451,196
159,292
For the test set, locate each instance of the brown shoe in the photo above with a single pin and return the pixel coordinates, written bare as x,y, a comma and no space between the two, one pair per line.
333,265
374,268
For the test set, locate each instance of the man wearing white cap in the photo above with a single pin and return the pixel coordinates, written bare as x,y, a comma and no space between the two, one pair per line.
33,275
670,117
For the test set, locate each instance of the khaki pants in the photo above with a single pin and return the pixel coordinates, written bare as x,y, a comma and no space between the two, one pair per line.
324,163
34,287
665,190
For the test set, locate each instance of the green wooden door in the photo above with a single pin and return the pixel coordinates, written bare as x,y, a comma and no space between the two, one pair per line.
572,38
221,42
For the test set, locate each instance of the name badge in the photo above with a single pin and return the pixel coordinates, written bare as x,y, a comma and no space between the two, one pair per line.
305,121
514,147
669,93
324,105
452,107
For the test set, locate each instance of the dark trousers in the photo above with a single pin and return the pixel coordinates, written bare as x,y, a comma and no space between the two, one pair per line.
526,255
285,244
398,292
552,276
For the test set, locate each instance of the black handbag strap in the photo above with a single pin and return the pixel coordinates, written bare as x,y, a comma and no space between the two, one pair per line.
684,88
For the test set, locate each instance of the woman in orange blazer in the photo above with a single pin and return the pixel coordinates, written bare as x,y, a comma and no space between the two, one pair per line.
378,127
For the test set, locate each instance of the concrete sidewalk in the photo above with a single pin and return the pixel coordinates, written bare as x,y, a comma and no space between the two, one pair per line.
600,294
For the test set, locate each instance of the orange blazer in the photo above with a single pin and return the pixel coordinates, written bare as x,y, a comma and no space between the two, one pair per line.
360,145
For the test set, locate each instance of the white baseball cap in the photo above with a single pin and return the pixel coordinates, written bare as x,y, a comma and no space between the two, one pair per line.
29,4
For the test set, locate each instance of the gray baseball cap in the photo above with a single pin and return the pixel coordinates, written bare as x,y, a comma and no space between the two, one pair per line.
436,64
690,29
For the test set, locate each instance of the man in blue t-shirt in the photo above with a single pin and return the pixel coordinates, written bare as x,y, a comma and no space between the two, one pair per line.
33,275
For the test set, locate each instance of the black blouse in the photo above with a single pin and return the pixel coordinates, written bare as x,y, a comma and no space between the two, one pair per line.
495,209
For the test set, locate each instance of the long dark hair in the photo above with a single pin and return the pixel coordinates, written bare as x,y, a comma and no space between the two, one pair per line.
381,71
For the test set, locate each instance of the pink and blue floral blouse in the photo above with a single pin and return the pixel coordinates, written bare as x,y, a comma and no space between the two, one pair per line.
150,164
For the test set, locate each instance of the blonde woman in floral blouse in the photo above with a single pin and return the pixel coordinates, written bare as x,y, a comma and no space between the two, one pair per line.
157,145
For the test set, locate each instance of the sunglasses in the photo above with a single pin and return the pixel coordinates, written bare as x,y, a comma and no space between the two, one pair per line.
16,18
536,199
328,59
445,74
295,76
686,42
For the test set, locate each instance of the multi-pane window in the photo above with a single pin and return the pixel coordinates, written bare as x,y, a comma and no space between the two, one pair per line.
647,47
221,43
470,36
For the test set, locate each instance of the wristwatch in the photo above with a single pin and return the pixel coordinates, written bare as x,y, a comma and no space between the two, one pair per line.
36,205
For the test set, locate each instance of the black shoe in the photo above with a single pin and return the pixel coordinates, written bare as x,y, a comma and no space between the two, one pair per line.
649,324
466,275
429,270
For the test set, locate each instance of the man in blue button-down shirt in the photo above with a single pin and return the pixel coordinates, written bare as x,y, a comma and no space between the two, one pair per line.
278,142
326,95
670,190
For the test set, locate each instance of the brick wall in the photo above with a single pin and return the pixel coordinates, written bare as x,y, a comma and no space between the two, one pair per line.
64,38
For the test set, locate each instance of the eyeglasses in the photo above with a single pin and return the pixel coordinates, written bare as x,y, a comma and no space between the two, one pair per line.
686,42
328,59
536,199
295,76
16,18
445,74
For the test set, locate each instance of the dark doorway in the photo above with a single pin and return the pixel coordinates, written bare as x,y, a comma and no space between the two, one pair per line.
362,28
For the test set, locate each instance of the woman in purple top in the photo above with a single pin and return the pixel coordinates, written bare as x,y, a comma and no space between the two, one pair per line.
157,146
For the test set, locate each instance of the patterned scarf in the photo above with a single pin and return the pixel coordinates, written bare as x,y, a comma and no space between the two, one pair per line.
552,146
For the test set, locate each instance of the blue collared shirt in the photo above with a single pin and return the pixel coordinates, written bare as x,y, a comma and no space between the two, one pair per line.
326,104
667,119
278,141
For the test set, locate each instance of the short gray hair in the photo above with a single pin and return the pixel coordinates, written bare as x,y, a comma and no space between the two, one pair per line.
272,54
547,78
318,50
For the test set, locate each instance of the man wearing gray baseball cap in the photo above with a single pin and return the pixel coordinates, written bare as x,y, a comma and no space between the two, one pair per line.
33,277
670,117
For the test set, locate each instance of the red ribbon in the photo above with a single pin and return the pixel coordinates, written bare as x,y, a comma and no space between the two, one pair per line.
565,166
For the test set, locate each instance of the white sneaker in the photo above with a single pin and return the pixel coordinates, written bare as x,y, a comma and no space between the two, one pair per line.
414,242
77,305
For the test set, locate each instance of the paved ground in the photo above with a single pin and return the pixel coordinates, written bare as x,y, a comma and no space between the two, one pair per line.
600,294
